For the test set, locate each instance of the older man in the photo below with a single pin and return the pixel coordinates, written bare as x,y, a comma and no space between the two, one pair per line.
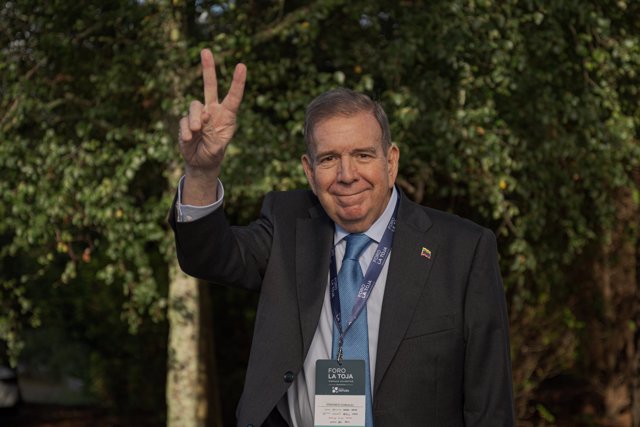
373,310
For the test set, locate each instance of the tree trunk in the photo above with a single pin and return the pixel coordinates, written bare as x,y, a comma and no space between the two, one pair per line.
635,381
192,393
192,381
185,388
614,328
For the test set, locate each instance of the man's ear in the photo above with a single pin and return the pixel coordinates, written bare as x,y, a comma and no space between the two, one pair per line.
307,165
393,159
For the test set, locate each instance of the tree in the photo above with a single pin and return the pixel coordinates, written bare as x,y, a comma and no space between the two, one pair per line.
85,152
523,116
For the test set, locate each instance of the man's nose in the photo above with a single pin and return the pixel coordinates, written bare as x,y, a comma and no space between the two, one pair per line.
347,170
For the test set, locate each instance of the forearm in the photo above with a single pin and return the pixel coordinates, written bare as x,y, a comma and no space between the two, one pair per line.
209,249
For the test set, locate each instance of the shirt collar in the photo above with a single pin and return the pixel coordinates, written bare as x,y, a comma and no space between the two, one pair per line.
376,230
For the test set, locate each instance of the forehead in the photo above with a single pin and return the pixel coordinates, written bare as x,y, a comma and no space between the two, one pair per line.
346,131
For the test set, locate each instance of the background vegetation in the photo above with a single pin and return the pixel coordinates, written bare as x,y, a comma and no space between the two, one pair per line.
521,115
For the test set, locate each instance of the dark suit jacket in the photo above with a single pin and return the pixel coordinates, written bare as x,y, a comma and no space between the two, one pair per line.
443,350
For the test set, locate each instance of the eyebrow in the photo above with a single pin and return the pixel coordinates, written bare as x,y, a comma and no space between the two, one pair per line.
370,150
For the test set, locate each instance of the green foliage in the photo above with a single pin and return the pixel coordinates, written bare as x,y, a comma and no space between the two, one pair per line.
521,115
85,154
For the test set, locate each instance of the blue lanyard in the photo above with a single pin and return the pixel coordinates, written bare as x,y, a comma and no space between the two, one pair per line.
373,272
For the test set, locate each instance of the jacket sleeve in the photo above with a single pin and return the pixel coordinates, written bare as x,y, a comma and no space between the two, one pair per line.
211,250
488,390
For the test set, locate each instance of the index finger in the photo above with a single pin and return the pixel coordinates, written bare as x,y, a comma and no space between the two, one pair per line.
209,77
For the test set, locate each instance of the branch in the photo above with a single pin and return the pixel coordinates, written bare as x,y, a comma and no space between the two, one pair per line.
14,105
291,18
273,30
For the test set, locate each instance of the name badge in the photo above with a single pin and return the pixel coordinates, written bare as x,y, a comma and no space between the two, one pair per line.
340,393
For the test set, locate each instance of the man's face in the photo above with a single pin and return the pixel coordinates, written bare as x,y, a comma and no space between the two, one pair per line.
349,171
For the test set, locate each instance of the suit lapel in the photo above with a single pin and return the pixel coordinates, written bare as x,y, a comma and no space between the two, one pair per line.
406,279
314,237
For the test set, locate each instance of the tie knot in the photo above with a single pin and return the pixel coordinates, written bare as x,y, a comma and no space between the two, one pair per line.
356,243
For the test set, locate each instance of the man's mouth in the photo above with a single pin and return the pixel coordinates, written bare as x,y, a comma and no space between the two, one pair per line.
345,199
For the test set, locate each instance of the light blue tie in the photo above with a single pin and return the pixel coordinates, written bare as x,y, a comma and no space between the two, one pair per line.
356,341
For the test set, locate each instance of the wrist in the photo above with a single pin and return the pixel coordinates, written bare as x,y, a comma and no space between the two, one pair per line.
202,174
200,187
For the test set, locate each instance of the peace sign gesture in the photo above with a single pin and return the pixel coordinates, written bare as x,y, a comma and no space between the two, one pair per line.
208,129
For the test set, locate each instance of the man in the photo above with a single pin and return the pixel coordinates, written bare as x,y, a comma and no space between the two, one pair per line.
416,319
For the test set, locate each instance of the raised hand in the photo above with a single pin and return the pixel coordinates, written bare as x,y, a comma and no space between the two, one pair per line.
207,130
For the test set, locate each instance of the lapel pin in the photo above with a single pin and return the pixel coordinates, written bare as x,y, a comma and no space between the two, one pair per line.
425,253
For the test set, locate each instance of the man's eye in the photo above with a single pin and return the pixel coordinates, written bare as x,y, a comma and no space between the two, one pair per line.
326,159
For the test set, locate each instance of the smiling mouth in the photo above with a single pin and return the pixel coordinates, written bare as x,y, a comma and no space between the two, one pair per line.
347,197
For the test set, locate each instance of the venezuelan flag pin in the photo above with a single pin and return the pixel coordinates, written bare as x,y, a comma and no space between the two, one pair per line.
425,253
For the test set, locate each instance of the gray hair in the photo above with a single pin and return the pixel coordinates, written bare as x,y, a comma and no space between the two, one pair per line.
346,103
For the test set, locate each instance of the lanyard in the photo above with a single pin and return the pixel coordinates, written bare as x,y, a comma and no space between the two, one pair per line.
370,278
